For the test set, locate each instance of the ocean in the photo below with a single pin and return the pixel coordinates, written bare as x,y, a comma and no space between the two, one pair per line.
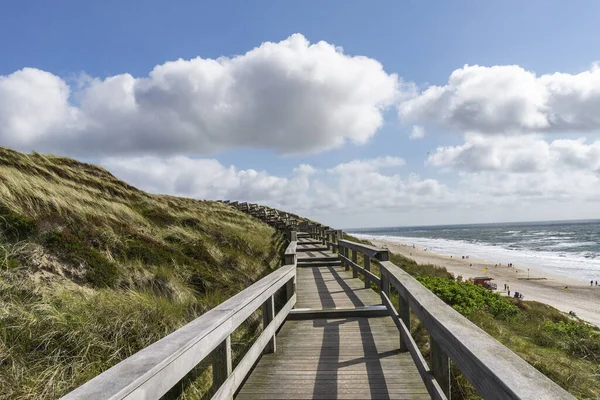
568,248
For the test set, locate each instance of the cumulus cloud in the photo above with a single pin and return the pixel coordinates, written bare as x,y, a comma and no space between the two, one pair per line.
509,99
417,132
523,167
347,187
291,97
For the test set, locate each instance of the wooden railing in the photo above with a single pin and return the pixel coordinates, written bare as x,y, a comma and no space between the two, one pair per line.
153,371
493,369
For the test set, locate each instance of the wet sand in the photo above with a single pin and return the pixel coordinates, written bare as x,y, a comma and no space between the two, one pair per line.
580,297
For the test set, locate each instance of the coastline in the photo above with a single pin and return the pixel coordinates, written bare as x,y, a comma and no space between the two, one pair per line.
542,286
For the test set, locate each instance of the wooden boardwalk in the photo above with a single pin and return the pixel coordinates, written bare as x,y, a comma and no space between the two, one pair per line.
325,336
334,358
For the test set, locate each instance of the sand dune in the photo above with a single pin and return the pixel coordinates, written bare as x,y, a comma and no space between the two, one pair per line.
543,287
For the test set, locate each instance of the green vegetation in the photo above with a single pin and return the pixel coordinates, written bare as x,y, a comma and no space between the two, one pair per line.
564,348
92,270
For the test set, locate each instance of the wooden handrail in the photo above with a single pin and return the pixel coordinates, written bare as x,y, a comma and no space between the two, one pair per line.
152,371
370,251
493,369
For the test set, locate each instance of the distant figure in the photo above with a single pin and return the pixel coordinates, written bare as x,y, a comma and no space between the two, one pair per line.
596,283
505,286
463,257
509,293
591,283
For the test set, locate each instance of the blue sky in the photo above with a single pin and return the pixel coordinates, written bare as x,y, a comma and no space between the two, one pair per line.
422,42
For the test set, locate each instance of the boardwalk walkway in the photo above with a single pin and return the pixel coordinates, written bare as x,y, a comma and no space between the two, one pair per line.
326,336
330,358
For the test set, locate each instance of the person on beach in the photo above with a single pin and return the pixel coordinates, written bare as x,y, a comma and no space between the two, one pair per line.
591,283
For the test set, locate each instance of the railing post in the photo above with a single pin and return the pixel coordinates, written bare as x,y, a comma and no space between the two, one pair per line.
347,255
290,288
440,366
385,282
221,363
367,266
355,261
404,314
268,310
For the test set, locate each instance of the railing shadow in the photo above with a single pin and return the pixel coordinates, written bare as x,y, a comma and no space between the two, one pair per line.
329,363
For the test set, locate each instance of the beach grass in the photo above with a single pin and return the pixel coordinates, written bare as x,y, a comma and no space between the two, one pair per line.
93,270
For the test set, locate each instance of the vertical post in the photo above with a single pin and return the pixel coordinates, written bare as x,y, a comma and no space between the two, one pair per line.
221,363
404,313
347,255
440,366
290,288
385,282
367,266
322,235
339,237
355,261
268,310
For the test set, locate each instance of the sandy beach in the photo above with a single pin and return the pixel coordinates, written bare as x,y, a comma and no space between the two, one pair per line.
543,287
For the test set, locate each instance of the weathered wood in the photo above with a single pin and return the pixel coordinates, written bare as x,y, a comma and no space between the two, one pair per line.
493,369
367,268
290,255
236,378
154,370
404,313
440,366
357,269
354,263
335,358
268,311
221,363
432,385
371,251
309,313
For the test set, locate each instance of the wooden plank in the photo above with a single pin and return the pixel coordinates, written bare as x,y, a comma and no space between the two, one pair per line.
493,369
221,365
371,251
309,313
432,385
154,370
336,358
229,387
268,313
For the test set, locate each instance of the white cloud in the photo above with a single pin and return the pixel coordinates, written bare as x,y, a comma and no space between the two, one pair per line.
33,102
369,165
509,99
417,132
345,188
516,168
290,96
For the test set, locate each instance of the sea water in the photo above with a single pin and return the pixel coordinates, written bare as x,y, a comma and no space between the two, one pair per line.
562,248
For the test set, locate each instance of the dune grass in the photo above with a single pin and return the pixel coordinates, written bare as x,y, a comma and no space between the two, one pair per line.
93,270
564,348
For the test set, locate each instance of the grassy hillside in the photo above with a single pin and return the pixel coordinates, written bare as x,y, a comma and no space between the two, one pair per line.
92,270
